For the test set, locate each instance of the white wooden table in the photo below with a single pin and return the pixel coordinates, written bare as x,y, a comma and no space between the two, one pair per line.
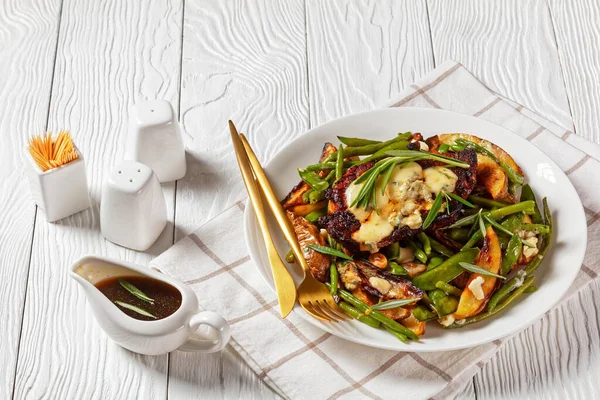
277,68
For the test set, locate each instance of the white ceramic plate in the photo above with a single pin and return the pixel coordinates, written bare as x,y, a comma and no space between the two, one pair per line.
554,276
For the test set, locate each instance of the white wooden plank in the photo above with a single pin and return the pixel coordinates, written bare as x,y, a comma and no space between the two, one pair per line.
244,61
360,54
556,358
577,32
28,33
509,45
99,75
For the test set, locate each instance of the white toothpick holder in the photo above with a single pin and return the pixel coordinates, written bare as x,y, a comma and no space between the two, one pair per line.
61,191
133,211
154,139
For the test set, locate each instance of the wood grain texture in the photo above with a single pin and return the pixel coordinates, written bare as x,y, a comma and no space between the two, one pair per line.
556,358
577,32
244,61
28,36
98,76
362,53
509,45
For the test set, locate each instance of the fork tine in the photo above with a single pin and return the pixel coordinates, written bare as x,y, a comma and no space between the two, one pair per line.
325,309
308,307
335,309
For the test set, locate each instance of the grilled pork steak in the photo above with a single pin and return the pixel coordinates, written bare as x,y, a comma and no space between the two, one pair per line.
342,223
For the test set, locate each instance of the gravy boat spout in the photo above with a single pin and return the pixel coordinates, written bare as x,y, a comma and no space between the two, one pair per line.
147,337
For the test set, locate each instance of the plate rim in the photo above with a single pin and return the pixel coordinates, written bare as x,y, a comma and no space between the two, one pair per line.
411,347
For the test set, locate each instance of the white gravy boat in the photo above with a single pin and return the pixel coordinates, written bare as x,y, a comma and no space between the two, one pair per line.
174,332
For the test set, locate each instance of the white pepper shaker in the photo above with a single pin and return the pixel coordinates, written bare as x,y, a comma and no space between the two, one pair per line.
133,211
154,139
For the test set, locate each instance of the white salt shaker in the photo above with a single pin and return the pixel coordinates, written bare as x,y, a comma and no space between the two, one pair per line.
61,191
154,139
133,211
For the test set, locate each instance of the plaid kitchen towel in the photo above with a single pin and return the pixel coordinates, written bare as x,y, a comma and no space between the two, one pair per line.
300,361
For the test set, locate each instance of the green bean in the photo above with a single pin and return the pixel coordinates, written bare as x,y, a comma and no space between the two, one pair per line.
445,272
305,195
531,289
443,303
527,194
392,252
448,289
422,313
511,255
426,300
315,181
434,262
459,234
326,166
315,215
386,321
424,239
405,135
339,168
508,301
525,206
535,228
289,257
440,248
399,335
546,239
315,196
333,278
477,236
382,152
354,313
513,283
443,148
512,222
484,202
367,149
397,269
419,254
357,142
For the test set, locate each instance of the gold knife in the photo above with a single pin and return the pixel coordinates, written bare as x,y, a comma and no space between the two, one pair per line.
284,284
282,219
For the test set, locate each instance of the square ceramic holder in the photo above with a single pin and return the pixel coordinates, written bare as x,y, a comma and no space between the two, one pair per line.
61,191
154,139
133,211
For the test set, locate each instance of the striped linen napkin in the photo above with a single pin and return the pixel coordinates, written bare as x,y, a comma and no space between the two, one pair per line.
298,360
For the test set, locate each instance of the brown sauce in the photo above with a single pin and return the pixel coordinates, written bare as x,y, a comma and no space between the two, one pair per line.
166,298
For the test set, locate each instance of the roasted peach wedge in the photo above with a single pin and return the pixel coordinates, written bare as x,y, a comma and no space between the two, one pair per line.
479,287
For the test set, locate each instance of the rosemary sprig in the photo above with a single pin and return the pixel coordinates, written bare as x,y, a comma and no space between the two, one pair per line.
367,195
433,211
135,309
329,251
135,291
478,270
386,305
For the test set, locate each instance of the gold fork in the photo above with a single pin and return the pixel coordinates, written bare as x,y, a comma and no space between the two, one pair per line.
313,296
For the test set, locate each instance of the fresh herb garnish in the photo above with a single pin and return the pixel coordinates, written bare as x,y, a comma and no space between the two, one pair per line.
460,199
386,305
134,309
329,251
135,291
481,224
367,196
433,211
478,270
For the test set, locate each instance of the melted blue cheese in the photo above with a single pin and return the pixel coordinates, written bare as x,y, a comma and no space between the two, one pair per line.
411,189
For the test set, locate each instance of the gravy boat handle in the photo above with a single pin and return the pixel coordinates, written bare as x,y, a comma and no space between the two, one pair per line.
213,320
